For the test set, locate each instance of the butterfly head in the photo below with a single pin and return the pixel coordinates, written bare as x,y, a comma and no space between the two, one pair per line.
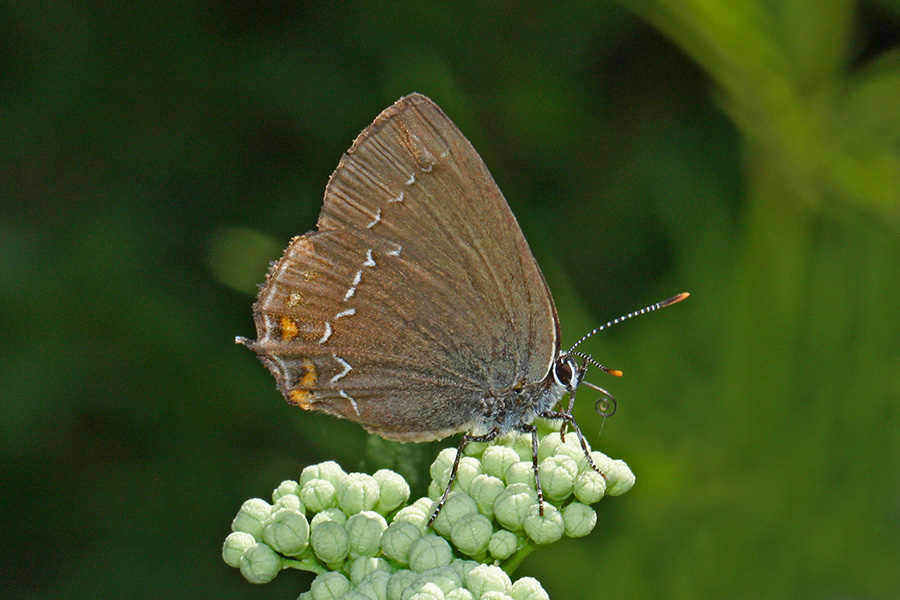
568,373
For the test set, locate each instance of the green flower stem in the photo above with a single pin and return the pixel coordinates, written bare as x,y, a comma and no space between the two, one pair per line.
512,563
305,565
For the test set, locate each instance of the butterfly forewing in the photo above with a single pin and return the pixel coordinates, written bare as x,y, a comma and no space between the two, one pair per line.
415,173
417,297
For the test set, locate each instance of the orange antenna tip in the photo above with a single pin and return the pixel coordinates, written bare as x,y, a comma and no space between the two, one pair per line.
615,372
674,299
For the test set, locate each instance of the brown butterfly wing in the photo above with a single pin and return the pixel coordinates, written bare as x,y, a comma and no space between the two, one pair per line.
418,295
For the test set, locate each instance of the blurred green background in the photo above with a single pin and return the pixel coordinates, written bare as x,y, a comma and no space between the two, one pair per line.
155,156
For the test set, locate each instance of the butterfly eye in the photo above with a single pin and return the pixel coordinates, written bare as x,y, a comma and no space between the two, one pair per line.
564,371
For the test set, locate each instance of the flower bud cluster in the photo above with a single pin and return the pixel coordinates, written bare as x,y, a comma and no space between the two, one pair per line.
325,522
493,510
365,542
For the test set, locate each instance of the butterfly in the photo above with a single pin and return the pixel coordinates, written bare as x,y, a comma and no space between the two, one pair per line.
416,307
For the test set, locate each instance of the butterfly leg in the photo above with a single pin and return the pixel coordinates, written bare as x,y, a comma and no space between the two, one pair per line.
568,419
528,428
465,441
565,425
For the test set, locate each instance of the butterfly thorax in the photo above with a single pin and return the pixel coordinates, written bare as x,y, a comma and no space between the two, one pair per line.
518,406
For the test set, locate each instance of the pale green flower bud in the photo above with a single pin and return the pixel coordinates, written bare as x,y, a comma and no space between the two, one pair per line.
428,591
440,468
458,505
579,519
487,578
329,514
446,578
558,473
424,504
589,486
394,490
285,488
428,552
330,542
572,449
399,582
512,505
287,531
260,564
434,490
521,443
495,596
234,547
415,514
552,445
289,501
621,479
471,534
485,489
364,531
459,594
603,462
374,585
520,472
497,459
397,540
354,595
548,445
358,492
329,471
476,449
361,567
528,588
503,544
318,494
251,516
468,469
464,567
329,586
544,529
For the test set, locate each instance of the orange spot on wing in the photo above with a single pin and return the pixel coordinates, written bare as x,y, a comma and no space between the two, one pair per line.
309,377
289,329
301,398
302,394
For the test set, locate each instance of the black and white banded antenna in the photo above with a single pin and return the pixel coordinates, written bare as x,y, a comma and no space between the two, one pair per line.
645,310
